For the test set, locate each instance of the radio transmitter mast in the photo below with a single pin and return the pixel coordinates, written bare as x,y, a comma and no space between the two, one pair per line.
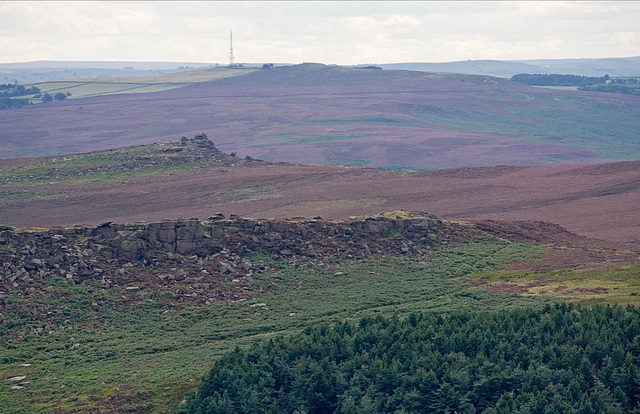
231,49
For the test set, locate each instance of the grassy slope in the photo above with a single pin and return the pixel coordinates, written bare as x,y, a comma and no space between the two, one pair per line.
99,167
150,355
594,200
139,353
606,128
614,285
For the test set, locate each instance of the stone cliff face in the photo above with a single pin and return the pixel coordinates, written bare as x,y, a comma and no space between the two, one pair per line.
191,258
83,252
285,238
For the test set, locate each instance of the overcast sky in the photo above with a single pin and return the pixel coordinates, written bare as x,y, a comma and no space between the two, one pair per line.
328,32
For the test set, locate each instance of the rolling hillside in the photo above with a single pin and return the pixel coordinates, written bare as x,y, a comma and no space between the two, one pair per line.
127,272
318,114
117,317
507,68
150,183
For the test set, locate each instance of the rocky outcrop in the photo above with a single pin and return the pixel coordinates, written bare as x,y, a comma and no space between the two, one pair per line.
187,153
78,252
281,237
190,260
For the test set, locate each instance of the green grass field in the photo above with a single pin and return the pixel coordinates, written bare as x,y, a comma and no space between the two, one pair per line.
292,138
84,88
375,120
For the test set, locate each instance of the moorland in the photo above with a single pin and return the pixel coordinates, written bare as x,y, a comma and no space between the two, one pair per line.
133,259
317,114
147,183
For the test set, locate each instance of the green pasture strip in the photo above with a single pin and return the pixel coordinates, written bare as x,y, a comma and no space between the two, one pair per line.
118,156
396,167
201,75
292,138
27,194
88,89
155,88
356,162
560,88
58,86
96,88
80,176
613,149
145,347
108,86
372,119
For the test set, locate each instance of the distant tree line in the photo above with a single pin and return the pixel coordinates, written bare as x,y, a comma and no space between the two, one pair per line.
8,103
561,359
624,81
558,80
59,96
10,90
613,88
9,93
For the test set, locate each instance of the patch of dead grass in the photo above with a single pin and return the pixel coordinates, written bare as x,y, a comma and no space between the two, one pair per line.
619,284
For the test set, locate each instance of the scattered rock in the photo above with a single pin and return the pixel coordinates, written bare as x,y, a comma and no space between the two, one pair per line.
225,267
16,379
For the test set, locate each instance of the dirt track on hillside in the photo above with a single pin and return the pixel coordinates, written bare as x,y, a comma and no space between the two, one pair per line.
597,200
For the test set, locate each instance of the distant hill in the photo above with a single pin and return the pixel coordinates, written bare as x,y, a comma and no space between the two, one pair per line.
317,114
45,70
506,68
71,64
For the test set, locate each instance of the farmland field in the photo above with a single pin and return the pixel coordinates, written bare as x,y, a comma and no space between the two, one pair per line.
107,86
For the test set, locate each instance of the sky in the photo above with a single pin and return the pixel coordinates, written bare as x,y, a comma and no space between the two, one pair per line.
330,32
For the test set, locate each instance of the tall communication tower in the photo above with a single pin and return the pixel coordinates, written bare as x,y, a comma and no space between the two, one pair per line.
231,48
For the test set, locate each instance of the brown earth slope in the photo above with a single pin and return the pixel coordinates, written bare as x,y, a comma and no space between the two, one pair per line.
596,200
